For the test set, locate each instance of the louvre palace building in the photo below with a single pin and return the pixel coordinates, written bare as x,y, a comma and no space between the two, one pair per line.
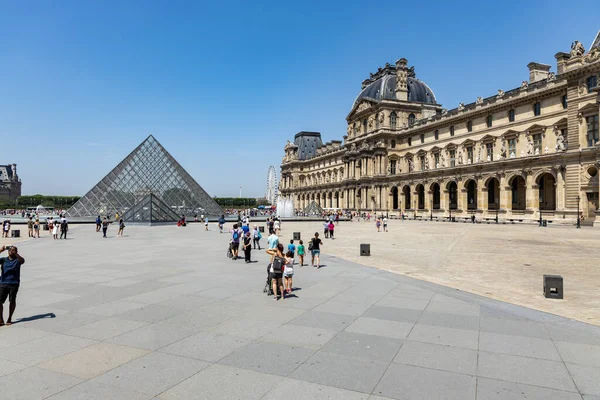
524,151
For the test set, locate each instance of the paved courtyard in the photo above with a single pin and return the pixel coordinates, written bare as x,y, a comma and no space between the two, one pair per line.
163,314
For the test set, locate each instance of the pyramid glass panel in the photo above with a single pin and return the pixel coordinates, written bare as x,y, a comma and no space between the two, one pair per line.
149,185
313,209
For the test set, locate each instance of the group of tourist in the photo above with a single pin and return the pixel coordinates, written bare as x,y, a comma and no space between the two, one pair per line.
103,223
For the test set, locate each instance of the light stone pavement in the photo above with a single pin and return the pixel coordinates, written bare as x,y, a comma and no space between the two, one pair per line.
163,314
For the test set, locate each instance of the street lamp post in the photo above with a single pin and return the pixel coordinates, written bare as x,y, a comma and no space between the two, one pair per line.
578,217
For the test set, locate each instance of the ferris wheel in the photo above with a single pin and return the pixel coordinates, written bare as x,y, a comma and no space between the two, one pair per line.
271,194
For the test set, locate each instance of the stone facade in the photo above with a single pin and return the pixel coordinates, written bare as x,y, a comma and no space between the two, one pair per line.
10,184
525,151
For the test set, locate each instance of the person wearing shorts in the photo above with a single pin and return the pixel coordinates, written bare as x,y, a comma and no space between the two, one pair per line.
276,277
10,279
316,250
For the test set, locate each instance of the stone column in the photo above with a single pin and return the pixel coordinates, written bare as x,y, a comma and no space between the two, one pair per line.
482,203
531,194
560,189
505,194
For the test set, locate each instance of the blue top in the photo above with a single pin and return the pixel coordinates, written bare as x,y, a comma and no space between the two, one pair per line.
11,271
291,248
246,229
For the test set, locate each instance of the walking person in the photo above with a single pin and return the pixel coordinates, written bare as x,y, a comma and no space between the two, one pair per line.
378,225
30,227
292,248
256,236
206,224
121,227
326,229
301,251
221,223
288,271
105,224
98,223
64,228
278,258
10,279
247,247
36,228
55,229
235,241
6,228
331,227
385,224
315,248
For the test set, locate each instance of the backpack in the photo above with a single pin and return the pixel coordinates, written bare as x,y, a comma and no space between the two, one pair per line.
310,245
277,265
236,235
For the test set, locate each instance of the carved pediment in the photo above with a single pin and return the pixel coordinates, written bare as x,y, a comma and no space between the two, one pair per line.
363,106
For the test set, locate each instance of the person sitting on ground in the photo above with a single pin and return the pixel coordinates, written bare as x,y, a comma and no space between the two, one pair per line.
10,279
277,276
315,248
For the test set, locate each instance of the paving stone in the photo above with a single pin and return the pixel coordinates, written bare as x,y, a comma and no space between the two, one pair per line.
150,313
8,367
457,321
409,382
13,335
113,308
393,314
402,302
339,307
368,347
316,319
444,336
220,382
518,346
446,358
45,348
34,383
341,372
270,358
531,371
492,389
93,360
586,378
97,391
293,389
578,353
105,328
206,346
380,327
513,327
152,374
245,328
298,335
453,308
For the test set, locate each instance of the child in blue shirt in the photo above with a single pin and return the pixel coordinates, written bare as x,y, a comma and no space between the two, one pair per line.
292,248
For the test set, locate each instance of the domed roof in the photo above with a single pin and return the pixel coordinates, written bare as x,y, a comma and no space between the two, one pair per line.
384,88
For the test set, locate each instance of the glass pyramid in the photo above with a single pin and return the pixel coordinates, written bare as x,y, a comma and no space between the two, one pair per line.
148,186
313,209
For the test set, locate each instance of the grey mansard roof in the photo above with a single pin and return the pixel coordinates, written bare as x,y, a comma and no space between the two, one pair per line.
308,143
384,88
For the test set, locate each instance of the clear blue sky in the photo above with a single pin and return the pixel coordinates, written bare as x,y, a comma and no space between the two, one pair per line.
223,85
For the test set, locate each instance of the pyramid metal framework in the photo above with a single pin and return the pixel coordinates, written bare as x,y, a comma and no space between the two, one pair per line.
148,186
313,209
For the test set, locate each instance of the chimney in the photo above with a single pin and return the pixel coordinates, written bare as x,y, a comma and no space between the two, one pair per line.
14,171
402,79
561,59
537,71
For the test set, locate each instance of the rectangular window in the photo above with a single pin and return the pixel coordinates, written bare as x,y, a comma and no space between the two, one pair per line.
564,102
537,144
436,158
592,130
393,144
393,167
488,121
436,134
470,154
452,130
591,82
512,148
422,159
537,109
511,115
409,141
489,149
422,138
453,158
469,126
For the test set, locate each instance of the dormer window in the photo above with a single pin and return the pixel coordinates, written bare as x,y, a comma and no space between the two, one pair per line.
393,119
436,134
488,121
452,130
592,82
511,115
411,119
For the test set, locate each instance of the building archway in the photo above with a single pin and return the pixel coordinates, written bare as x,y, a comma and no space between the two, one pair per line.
394,198
518,193
407,199
452,195
547,192
420,197
493,194
471,188
435,192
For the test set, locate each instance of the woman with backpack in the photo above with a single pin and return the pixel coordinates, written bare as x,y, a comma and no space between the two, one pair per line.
315,248
276,270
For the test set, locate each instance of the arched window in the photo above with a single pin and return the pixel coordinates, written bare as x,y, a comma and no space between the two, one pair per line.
365,125
411,119
376,121
393,120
